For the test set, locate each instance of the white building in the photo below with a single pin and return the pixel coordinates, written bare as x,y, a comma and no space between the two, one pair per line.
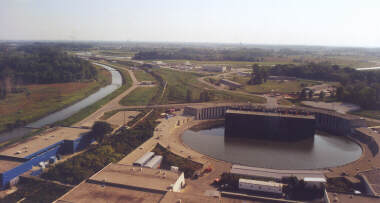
260,186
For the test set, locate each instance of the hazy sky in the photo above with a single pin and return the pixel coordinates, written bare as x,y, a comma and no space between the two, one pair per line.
303,22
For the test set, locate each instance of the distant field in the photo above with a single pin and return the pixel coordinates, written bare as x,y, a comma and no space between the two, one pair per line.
232,63
41,99
139,96
143,76
179,83
276,86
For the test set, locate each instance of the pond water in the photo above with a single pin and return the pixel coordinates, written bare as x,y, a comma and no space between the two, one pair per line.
322,151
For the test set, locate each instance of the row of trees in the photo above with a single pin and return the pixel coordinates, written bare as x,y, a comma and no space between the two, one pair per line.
358,87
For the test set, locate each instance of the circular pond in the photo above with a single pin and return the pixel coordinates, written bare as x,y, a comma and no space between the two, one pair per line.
322,151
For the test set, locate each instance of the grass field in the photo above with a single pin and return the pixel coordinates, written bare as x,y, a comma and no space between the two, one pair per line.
179,83
274,86
41,99
139,96
143,76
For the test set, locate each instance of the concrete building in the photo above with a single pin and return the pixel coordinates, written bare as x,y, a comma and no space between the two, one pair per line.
124,183
273,174
260,186
214,68
20,158
230,83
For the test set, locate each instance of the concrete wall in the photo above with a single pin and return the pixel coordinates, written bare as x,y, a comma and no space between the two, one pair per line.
269,127
177,186
335,123
368,140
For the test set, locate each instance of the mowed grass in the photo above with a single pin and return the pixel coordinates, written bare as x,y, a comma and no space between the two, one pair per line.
179,83
274,85
139,96
46,98
142,75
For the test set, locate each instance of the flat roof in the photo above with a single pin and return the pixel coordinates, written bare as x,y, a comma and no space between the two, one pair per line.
139,177
173,197
88,192
373,179
230,111
6,165
38,142
259,182
273,173
313,179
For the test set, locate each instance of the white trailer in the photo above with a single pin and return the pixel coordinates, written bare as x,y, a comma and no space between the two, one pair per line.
144,159
155,162
260,186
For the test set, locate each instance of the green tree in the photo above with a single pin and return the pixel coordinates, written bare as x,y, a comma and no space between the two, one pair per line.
189,95
100,129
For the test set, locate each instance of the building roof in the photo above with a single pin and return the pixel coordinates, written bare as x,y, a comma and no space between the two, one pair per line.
259,182
136,177
273,173
230,111
174,197
89,192
372,178
314,179
6,165
39,142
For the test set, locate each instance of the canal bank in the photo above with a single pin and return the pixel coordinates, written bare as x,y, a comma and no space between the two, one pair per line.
64,113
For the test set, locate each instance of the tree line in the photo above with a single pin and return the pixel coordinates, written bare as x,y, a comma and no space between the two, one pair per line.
256,55
41,65
358,87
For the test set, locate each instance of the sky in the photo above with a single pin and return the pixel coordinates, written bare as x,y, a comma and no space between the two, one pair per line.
284,22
